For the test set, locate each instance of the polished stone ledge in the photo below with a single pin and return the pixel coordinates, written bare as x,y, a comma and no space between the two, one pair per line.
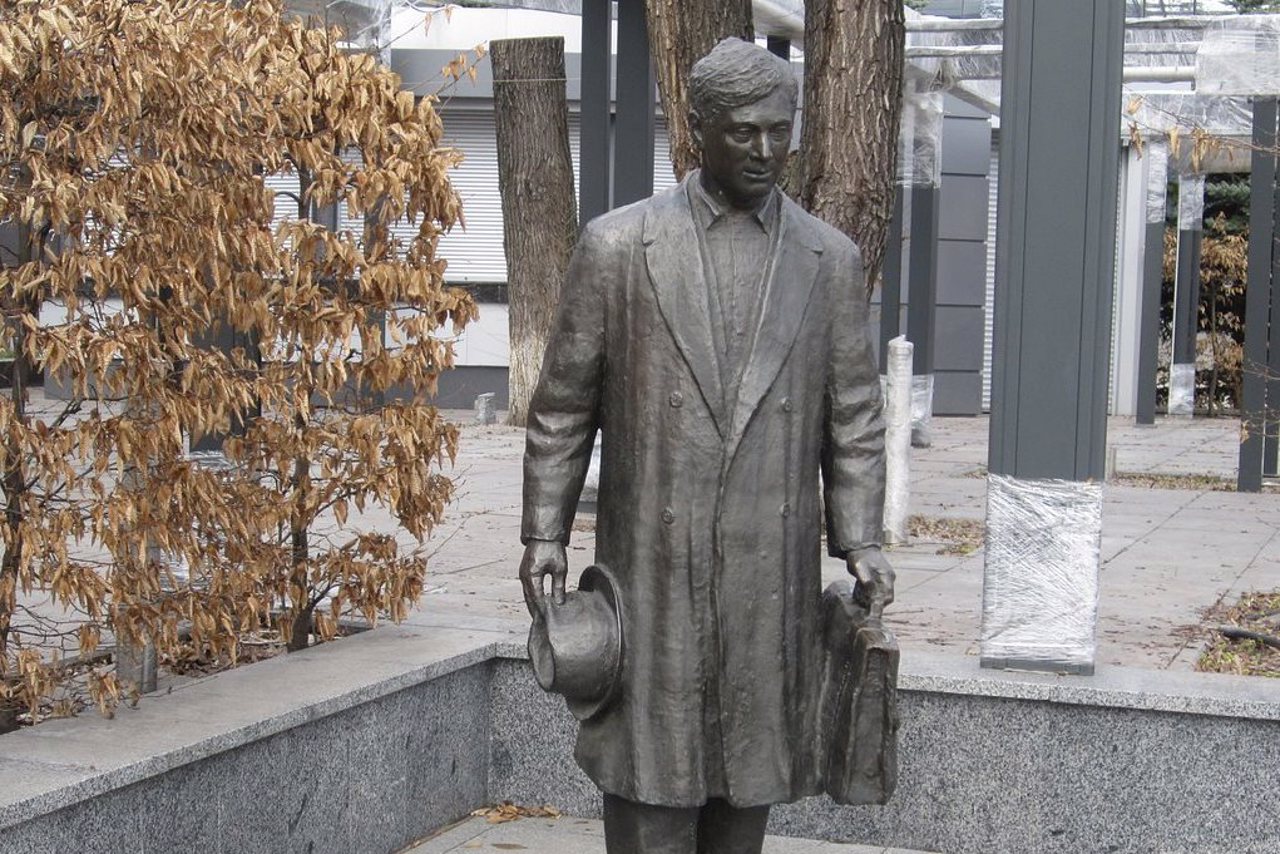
1183,692
63,762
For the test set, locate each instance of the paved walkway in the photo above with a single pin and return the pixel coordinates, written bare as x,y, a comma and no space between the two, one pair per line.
579,836
1167,553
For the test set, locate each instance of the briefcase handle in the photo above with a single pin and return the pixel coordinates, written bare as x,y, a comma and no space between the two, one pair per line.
874,609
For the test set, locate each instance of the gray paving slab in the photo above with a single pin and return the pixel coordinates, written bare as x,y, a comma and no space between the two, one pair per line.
1166,553
566,835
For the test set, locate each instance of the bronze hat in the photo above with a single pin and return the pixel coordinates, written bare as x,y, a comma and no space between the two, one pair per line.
576,647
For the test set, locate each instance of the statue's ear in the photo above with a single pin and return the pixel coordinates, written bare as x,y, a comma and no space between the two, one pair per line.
695,128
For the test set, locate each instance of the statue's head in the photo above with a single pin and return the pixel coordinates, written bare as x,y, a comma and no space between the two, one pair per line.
742,102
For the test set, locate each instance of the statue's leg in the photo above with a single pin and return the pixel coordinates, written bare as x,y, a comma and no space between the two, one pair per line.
725,829
633,828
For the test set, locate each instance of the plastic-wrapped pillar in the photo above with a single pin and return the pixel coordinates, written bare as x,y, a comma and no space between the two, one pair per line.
1157,157
1040,595
1186,296
1055,274
921,162
897,440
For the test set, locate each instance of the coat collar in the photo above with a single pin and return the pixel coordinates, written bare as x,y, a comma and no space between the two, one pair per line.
675,273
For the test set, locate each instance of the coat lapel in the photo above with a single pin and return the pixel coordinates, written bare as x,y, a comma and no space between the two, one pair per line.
675,272
792,272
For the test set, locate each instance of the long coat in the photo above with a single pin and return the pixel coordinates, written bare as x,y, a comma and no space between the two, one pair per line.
709,518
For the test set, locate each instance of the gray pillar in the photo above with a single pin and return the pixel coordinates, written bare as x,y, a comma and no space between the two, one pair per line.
637,100
921,169
922,306
1258,295
1186,295
1055,259
1271,443
891,280
593,155
922,277
1152,280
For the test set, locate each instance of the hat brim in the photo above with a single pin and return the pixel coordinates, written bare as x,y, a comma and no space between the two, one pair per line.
598,579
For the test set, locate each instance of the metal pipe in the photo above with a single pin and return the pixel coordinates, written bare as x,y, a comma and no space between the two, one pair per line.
917,51
1159,74
953,25
981,50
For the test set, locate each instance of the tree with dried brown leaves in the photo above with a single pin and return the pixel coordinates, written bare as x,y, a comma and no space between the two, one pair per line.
136,135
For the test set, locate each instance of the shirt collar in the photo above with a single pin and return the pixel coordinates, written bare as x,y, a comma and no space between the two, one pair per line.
709,210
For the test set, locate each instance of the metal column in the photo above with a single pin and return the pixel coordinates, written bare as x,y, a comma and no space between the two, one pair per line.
1258,295
637,101
1055,259
1152,280
922,305
593,166
1271,444
891,280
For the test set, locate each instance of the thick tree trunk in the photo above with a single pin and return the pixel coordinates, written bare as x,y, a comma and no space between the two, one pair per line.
680,33
539,212
852,106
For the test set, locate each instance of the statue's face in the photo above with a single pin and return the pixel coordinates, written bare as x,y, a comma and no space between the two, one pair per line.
744,149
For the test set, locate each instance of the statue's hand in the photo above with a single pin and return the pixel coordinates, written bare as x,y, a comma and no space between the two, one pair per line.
543,558
875,577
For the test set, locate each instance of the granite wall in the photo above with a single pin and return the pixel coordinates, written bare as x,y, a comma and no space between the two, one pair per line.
981,773
375,742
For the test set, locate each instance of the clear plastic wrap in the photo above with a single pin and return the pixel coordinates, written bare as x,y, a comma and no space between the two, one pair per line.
921,410
1191,202
944,72
897,440
1160,46
1240,55
1157,154
1182,390
1158,113
1040,593
920,139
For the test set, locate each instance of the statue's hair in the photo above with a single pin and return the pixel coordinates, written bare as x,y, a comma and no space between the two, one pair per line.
736,73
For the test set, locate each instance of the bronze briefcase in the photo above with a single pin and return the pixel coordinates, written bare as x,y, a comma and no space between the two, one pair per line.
860,701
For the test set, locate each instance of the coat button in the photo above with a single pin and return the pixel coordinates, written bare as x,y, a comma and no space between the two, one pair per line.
785,510
786,404
676,399
667,516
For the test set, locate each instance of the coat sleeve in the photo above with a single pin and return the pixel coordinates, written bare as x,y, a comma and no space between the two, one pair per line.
565,411
853,467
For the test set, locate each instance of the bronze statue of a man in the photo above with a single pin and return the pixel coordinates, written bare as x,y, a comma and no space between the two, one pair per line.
717,335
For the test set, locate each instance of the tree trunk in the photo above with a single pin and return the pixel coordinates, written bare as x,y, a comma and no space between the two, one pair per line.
852,106
14,475
539,212
680,33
